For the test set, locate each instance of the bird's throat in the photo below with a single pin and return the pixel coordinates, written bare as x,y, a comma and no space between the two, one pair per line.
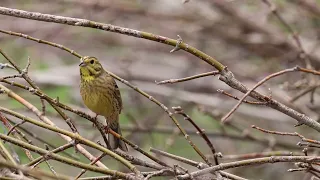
86,74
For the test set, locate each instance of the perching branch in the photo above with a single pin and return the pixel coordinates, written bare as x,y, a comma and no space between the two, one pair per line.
250,162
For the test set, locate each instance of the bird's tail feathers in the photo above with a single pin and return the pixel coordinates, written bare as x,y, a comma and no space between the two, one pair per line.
114,141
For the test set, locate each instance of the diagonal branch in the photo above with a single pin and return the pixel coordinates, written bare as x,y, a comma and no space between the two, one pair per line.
179,110
228,77
255,87
108,27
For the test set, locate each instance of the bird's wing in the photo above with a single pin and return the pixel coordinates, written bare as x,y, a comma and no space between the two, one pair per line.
118,96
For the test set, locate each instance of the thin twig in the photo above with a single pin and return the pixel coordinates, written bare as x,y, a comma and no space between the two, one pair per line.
260,154
186,171
236,98
297,169
302,54
41,41
245,135
303,92
171,81
140,162
7,154
287,134
199,165
13,127
6,65
43,107
93,162
309,145
157,173
56,150
179,110
20,132
13,130
12,76
48,164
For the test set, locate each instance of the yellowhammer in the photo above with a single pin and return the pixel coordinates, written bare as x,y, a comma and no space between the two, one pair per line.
101,95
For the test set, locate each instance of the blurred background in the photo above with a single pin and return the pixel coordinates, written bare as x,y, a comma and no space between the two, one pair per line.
241,34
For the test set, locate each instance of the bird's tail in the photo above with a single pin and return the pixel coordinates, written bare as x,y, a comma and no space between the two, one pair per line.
114,141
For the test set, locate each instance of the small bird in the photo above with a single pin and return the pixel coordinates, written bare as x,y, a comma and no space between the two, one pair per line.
101,95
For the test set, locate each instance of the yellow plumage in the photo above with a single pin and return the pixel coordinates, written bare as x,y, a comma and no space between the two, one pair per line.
101,95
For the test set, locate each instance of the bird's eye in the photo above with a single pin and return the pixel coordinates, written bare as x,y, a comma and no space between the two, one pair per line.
92,61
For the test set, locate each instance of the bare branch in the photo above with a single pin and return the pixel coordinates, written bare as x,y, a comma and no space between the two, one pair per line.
287,134
256,86
236,98
250,162
171,81
179,110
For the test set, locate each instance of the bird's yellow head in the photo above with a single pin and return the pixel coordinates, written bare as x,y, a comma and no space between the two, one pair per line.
90,68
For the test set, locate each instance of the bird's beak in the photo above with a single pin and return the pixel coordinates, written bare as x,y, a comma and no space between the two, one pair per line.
82,64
